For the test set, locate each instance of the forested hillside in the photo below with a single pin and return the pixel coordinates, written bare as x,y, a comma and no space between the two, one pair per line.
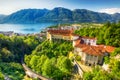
51,60
109,34
12,49
58,14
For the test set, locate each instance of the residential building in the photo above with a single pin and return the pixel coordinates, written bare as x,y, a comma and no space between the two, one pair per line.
89,41
61,34
91,54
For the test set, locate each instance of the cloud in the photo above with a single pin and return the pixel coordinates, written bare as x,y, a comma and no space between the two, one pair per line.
110,10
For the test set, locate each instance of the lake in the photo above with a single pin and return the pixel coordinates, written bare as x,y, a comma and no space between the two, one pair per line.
25,28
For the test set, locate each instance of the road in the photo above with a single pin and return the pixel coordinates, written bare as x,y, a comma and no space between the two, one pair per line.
33,74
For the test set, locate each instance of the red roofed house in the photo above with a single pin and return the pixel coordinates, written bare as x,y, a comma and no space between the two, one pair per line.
61,34
91,54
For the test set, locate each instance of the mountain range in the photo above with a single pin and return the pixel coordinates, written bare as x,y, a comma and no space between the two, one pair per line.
57,14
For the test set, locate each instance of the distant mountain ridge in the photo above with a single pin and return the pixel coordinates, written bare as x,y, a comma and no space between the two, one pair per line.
2,16
58,14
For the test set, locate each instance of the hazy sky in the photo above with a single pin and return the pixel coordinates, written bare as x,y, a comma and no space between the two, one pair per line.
108,6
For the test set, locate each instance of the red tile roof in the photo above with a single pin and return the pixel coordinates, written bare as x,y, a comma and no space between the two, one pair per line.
75,34
61,32
109,49
95,50
92,50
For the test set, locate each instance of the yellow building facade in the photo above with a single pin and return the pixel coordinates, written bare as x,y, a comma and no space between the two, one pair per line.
60,34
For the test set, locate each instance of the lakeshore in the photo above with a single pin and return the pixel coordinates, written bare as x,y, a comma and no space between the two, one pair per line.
25,28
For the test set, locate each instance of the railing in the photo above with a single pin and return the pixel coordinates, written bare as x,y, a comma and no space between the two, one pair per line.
80,71
31,73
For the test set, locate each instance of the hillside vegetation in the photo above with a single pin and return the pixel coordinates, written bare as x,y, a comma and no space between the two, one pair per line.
58,14
51,60
12,49
109,34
